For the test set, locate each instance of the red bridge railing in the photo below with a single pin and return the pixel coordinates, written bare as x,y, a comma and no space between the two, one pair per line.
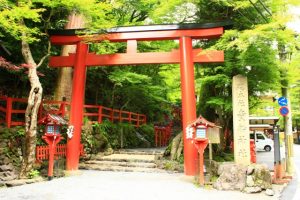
42,152
96,113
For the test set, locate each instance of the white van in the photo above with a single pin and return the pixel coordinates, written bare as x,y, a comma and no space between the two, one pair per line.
262,142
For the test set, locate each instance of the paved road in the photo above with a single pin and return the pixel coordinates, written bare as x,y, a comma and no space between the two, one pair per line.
292,192
265,157
122,186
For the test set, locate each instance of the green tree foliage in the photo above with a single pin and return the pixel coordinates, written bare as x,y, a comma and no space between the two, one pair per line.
251,48
24,22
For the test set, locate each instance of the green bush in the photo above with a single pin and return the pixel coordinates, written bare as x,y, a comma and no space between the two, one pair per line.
147,130
12,144
223,157
94,138
99,137
33,174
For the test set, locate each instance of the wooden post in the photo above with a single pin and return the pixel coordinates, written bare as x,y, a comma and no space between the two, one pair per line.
112,115
63,109
8,111
120,116
129,117
100,114
138,120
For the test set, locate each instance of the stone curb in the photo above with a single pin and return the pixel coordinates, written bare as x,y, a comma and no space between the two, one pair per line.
18,182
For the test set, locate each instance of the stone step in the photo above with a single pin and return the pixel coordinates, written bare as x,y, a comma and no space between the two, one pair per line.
127,158
120,168
121,163
141,151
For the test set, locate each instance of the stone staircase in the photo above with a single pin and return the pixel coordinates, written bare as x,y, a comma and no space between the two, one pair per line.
126,160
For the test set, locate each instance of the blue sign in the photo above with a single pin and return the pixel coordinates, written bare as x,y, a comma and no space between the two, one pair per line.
282,101
284,111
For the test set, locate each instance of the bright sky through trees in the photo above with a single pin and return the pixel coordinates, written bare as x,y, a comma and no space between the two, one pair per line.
295,24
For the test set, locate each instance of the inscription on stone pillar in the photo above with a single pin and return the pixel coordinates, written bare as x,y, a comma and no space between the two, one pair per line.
241,119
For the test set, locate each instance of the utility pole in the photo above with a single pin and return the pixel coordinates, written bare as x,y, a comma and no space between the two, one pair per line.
288,132
289,140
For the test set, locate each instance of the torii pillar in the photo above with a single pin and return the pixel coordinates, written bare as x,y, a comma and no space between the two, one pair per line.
77,102
188,103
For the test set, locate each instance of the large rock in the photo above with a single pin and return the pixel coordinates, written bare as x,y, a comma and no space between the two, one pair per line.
232,177
250,170
213,167
7,176
250,179
4,160
8,167
261,177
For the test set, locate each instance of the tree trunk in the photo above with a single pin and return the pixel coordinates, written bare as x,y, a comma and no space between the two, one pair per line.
64,82
34,100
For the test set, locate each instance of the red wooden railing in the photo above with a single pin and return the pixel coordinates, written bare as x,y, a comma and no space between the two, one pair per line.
96,113
162,135
42,152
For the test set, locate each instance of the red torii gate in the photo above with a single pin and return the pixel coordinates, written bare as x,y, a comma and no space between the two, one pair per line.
186,56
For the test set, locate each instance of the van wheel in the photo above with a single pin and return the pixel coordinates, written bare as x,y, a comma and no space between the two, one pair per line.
267,148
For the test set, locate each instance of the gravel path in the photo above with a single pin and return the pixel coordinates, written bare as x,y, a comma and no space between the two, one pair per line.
122,186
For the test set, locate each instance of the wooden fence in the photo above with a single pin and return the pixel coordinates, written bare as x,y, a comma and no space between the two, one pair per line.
42,152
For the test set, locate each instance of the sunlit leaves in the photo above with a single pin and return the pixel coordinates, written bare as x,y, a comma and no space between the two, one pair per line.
97,15
120,77
11,17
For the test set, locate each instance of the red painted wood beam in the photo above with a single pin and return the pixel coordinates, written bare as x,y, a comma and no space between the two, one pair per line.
76,112
138,58
65,39
188,103
131,46
207,33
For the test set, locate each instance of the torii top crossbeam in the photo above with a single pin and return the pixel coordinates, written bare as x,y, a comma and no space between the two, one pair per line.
139,33
186,56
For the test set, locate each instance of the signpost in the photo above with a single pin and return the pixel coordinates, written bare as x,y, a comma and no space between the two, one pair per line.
284,111
282,101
